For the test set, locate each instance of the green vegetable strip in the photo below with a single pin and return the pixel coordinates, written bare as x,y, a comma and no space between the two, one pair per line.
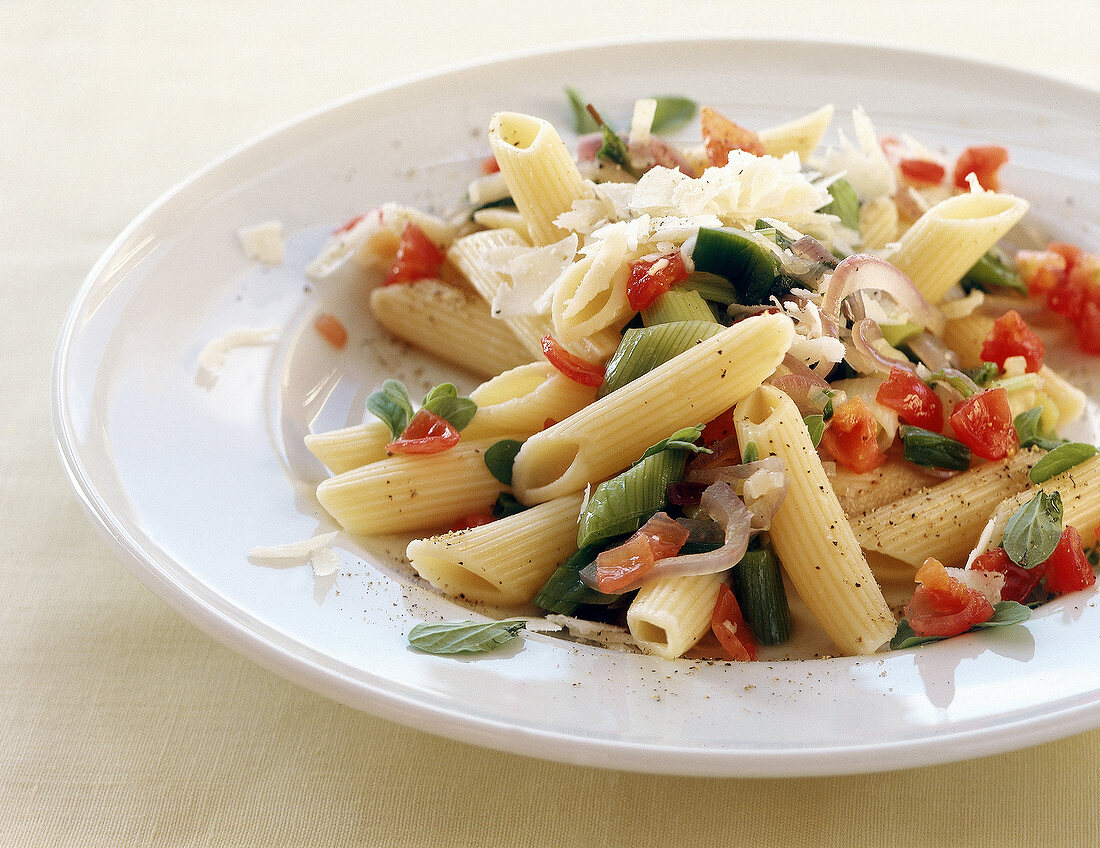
644,348
710,287
932,450
845,204
677,305
564,592
758,585
621,505
751,267
672,113
993,271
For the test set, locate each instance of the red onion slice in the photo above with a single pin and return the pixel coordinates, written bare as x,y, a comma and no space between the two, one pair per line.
864,271
865,357
762,485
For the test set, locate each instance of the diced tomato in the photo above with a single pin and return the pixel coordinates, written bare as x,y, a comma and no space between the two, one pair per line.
1088,329
943,605
913,399
475,520
572,366
417,257
490,165
649,279
984,162
1068,569
1070,252
1011,336
718,429
1019,582
923,171
729,626
721,136
331,329
852,436
1067,298
619,568
983,422
1041,270
426,433
348,225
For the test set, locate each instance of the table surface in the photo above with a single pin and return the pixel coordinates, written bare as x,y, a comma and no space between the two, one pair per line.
122,724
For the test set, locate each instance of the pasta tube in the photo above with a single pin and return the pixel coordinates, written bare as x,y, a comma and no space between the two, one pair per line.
669,615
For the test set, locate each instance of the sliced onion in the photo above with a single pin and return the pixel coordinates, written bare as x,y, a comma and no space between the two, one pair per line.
864,271
933,352
865,357
656,151
762,485
798,387
810,248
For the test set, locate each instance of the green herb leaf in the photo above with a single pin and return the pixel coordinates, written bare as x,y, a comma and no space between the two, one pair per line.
993,271
933,450
1033,531
672,113
1027,428
1004,614
816,425
983,374
445,402
750,453
505,505
614,150
844,204
684,439
564,592
499,457
906,638
464,637
1061,459
583,122
391,403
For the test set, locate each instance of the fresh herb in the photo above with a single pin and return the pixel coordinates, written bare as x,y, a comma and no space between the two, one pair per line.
445,402
505,505
499,458
751,453
956,379
1027,425
683,439
583,122
994,270
983,374
1060,459
564,592
614,150
391,403
1033,531
464,637
933,450
844,204
816,425
672,113
1005,613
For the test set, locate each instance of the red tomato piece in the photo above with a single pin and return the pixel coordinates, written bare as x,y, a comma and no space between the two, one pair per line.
983,422
1088,329
477,519
1041,270
913,399
721,136
489,165
1067,569
425,433
1019,582
649,279
417,257
852,436
572,366
619,569
1011,336
720,428
942,605
729,626
331,329
1067,298
1070,252
984,162
922,171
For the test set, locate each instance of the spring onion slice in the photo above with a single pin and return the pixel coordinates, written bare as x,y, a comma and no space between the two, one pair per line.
758,585
644,348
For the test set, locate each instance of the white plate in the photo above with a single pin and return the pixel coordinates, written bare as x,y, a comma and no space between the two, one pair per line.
186,475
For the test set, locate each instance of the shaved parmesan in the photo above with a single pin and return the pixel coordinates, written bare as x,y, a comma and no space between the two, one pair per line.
213,356
263,242
533,270
322,558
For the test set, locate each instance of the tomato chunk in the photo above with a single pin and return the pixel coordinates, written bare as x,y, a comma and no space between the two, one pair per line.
1068,569
1011,336
983,422
984,162
649,279
942,605
721,136
1019,582
620,568
417,257
331,329
1041,270
729,626
913,399
852,436
1088,329
425,433
572,366
922,171
476,519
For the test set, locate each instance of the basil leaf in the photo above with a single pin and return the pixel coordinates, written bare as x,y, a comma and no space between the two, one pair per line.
464,637
391,403
993,270
844,204
751,453
499,457
680,440
444,401
906,638
1027,428
505,505
1061,459
933,450
816,425
1004,614
672,113
1033,531
583,122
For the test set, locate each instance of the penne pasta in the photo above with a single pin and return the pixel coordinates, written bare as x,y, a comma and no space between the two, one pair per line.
668,616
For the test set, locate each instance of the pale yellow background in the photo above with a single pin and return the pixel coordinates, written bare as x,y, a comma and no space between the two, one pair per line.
120,723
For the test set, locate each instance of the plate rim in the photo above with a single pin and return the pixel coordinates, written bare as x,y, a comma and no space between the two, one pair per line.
454,723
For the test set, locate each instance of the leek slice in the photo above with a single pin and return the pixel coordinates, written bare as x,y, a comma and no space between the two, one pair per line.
644,348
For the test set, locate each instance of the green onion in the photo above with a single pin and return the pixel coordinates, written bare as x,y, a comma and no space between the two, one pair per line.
993,271
677,304
710,287
644,348
750,266
564,592
933,450
758,585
